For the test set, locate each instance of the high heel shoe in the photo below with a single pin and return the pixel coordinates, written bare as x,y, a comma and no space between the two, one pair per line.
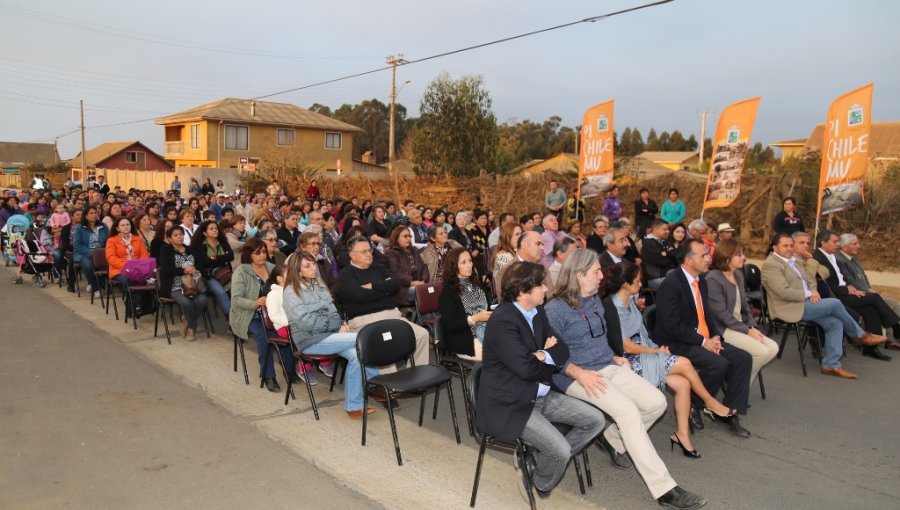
712,414
691,454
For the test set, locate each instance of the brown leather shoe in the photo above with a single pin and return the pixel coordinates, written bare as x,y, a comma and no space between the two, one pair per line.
355,415
379,395
839,372
869,339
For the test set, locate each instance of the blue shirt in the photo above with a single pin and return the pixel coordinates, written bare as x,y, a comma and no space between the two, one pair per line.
543,389
583,329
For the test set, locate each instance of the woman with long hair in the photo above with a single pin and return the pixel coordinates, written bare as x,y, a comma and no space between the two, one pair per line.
505,251
212,253
730,309
207,188
121,246
175,261
655,364
142,226
677,235
248,296
406,265
463,305
89,236
316,327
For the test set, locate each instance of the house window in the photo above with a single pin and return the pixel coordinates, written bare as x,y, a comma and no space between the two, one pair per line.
131,157
284,137
237,138
195,136
332,140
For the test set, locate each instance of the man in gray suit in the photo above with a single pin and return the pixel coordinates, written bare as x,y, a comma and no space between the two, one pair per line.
792,298
855,275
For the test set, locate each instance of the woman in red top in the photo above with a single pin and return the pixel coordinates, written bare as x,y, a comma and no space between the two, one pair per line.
122,246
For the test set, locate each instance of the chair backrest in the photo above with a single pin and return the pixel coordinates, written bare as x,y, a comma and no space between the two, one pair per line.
427,297
98,257
752,278
385,342
267,322
650,318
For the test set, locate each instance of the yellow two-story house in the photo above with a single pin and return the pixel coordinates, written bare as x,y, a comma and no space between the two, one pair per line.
229,132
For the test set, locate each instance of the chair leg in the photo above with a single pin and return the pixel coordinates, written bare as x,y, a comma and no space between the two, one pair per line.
422,406
478,470
762,385
452,409
239,346
801,343
262,380
587,467
578,474
312,398
287,377
110,294
526,477
390,407
783,342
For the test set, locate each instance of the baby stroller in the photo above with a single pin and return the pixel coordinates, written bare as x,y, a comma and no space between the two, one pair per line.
34,259
15,229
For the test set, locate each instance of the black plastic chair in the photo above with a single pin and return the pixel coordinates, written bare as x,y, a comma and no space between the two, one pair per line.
460,367
301,360
753,288
386,343
519,447
804,330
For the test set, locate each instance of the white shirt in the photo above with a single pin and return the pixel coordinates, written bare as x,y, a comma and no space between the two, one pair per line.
831,258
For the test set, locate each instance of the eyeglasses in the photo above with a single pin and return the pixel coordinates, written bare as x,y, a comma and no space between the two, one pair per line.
600,332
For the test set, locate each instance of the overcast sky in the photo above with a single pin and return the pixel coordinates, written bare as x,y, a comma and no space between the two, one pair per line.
661,65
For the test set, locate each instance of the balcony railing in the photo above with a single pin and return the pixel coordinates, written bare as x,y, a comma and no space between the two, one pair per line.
174,149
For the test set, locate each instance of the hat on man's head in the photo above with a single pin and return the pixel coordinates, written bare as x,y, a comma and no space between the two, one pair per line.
221,194
725,227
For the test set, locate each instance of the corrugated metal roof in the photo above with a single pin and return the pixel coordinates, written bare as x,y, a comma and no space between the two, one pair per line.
258,112
25,153
884,139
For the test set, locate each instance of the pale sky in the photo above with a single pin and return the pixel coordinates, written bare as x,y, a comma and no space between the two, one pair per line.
661,65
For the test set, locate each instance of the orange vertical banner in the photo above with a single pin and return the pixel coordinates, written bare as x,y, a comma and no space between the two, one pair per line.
595,163
845,151
729,153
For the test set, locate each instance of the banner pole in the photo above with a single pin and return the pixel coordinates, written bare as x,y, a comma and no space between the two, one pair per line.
817,230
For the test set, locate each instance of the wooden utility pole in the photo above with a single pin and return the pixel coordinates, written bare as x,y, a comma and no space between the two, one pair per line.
703,114
83,169
393,61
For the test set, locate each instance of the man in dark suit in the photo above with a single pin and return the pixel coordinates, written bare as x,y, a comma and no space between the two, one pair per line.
682,324
874,311
657,254
520,356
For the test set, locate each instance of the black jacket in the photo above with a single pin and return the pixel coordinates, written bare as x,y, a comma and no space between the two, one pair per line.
676,316
834,284
613,327
655,262
357,300
596,243
206,264
509,381
458,335
290,239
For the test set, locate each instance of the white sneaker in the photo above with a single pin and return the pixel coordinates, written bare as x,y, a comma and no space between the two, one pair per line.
88,289
96,294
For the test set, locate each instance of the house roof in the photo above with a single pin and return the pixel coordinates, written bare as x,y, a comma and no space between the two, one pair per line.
667,156
797,142
884,140
265,112
567,155
96,156
24,153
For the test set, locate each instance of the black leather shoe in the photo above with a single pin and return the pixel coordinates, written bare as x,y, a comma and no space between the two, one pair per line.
530,464
620,460
272,385
875,352
732,422
680,499
696,419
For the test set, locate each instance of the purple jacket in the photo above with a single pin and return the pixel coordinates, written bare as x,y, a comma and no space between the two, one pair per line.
612,208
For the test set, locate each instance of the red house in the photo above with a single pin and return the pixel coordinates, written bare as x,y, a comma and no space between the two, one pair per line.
122,156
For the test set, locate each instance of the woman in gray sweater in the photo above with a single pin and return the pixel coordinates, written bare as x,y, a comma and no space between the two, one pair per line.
729,307
316,326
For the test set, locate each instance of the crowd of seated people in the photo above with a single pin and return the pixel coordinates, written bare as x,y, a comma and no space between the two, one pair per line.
567,341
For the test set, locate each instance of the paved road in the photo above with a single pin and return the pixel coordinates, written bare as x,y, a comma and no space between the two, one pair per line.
86,422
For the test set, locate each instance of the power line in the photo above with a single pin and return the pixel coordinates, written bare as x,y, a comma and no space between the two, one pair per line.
150,38
474,47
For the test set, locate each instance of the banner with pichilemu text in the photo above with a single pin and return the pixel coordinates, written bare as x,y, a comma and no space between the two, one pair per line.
730,145
845,151
595,164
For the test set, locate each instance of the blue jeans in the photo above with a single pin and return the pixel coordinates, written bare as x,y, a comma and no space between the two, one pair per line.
555,450
267,367
87,267
344,344
191,307
221,295
834,319
122,280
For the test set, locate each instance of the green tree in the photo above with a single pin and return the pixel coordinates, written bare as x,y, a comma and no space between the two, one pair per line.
652,141
457,131
321,109
637,142
665,142
625,143
691,144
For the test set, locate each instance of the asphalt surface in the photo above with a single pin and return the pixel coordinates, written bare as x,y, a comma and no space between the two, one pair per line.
87,416
87,422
